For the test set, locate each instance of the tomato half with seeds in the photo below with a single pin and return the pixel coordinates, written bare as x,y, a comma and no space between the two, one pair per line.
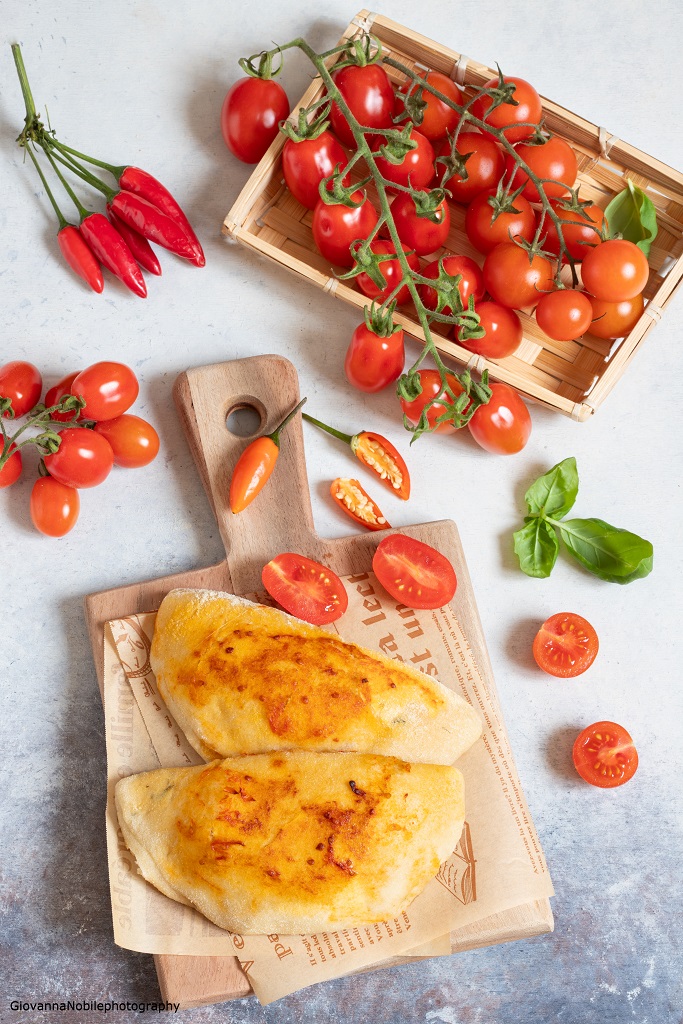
604,755
503,425
414,573
485,230
336,226
437,117
431,386
565,645
390,271
54,507
519,118
21,383
615,319
358,504
420,233
305,588
109,389
554,159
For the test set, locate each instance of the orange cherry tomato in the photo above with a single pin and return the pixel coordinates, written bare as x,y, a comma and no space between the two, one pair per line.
615,319
358,504
604,755
565,645
54,507
414,573
564,315
133,440
305,588
554,159
503,331
615,270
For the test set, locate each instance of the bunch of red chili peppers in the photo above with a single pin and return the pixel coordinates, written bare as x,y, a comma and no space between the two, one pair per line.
139,211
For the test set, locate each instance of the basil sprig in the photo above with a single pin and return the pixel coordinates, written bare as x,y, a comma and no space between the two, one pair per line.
632,215
613,555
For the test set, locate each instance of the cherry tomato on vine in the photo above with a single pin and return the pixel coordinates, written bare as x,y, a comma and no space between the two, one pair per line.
54,506
305,588
553,159
414,573
370,97
503,426
615,319
420,233
57,391
336,226
415,170
485,230
472,282
391,272
250,116
437,117
615,270
21,383
133,440
306,163
484,165
565,645
11,471
83,459
604,755
373,363
109,389
515,279
519,121
503,331
580,230
565,314
431,385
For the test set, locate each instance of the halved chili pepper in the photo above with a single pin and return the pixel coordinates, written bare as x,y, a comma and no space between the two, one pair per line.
133,179
151,223
358,504
112,251
377,453
255,465
139,246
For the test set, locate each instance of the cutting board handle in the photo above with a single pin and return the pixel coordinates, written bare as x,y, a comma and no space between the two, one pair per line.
280,518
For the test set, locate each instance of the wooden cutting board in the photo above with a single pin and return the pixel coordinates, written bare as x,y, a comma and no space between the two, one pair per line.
279,520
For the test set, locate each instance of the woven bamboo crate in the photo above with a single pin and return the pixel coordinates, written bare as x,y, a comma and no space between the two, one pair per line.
573,377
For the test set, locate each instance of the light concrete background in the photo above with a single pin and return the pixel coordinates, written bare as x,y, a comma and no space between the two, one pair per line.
142,82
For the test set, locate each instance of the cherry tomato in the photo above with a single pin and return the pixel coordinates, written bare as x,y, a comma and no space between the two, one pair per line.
420,233
503,331
109,389
373,363
615,319
565,314
504,425
580,230
565,645
472,282
615,270
514,279
305,588
336,226
370,97
54,507
485,230
604,755
416,169
59,390
306,163
21,383
519,121
437,117
83,459
11,471
133,440
554,159
250,117
431,385
358,504
484,164
414,573
391,272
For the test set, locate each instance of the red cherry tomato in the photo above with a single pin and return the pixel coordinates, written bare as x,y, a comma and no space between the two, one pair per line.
472,282
485,230
502,427
431,386
503,331
437,117
21,383
11,471
83,459
604,755
391,272
519,121
306,163
373,363
108,389
615,270
414,573
336,226
565,645
420,233
370,97
484,165
416,169
305,588
580,231
250,117
133,440
515,280
54,507
554,159
565,314
59,390
615,319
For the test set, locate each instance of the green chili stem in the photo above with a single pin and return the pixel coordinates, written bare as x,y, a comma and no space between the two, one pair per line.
63,223
346,438
275,436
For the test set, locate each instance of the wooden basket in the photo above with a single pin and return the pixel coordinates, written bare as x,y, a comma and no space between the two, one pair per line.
574,377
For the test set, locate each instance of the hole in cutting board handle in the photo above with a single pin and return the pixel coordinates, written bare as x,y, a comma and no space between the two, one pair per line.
246,417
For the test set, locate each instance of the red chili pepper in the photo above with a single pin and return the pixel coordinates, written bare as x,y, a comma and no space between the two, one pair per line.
139,246
151,223
133,179
80,257
255,465
377,454
110,249
351,497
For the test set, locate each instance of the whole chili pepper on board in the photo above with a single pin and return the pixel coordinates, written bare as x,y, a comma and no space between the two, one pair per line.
377,454
255,465
139,246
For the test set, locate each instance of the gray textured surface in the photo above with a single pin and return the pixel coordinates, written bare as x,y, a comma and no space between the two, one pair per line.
143,81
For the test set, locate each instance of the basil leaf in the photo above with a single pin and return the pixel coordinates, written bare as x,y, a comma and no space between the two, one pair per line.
614,555
555,492
536,546
632,214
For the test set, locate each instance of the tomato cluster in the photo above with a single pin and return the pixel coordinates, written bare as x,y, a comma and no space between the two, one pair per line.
97,432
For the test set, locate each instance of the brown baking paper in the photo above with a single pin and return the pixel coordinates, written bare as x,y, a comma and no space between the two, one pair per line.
498,862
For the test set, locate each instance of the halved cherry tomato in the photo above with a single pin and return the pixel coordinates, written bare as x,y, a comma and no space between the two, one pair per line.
615,270
306,163
420,233
503,331
54,507
59,390
358,504
109,389
484,164
416,169
83,459
133,440
11,471
565,314
554,159
431,386
485,230
21,383
336,226
615,319
604,755
251,115
519,118
414,573
472,282
305,588
503,426
515,279
565,645
580,229
437,117
373,363
391,272
370,97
